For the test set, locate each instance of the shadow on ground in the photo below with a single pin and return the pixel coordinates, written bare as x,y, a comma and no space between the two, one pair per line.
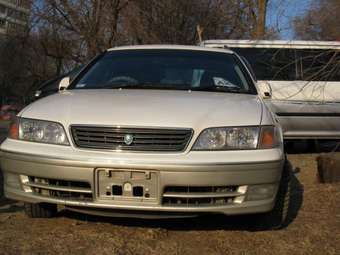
204,222
311,146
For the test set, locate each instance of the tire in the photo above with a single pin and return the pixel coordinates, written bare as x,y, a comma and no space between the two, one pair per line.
278,217
40,210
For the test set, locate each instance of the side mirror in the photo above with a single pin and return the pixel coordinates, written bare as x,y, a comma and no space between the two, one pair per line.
265,90
64,83
267,95
37,93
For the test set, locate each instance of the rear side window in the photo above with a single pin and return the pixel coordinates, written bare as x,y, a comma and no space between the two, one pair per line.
293,64
270,64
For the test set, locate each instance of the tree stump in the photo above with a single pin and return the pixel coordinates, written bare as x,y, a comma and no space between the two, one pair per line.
329,167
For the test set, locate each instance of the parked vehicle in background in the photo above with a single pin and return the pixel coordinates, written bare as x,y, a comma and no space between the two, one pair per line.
299,81
9,111
52,86
151,131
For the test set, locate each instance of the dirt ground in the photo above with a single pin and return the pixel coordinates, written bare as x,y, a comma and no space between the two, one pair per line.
314,228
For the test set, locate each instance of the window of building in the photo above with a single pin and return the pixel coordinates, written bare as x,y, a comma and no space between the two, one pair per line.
2,9
2,23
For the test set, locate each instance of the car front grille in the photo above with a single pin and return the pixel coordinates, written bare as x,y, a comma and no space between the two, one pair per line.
132,139
60,189
194,196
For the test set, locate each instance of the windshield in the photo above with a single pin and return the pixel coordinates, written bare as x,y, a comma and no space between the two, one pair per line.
166,69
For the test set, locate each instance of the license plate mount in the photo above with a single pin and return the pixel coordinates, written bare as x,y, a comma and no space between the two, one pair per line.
127,185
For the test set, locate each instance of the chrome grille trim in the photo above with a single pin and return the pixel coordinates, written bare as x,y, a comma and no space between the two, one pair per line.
198,196
202,195
59,189
144,139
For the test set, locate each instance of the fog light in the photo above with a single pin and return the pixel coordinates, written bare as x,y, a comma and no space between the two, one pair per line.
24,179
260,192
239,199
242,190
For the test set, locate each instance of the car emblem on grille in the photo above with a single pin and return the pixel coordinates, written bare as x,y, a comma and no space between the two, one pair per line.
128,139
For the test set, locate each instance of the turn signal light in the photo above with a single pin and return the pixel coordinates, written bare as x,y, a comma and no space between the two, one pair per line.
268,137
14,129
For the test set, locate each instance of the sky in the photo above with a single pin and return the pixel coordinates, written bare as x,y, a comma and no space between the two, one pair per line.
281,12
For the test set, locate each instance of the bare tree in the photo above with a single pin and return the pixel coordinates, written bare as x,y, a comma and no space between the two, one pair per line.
172,21
321,21
90,26
66,33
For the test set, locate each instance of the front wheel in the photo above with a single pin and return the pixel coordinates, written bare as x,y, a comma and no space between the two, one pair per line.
40,210
278,217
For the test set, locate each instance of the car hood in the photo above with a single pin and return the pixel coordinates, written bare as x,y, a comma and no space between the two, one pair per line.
148,108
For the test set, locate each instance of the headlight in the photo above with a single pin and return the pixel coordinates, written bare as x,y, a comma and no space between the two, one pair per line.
237,138
38,131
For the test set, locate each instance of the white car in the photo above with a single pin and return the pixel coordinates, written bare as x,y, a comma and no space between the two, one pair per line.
150,131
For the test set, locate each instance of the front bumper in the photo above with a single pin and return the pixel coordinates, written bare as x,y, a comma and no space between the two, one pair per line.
17,166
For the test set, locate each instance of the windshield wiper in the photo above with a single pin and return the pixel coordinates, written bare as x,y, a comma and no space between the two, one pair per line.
124,85
162,86
148,85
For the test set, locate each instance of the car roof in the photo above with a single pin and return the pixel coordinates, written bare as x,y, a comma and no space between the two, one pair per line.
284,44
171,47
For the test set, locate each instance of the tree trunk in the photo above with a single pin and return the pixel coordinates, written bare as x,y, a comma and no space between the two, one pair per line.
329,167
261,19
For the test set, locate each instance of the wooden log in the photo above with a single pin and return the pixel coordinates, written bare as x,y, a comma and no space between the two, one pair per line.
329,167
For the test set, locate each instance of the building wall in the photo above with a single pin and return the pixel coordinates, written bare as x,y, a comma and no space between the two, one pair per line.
14,16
